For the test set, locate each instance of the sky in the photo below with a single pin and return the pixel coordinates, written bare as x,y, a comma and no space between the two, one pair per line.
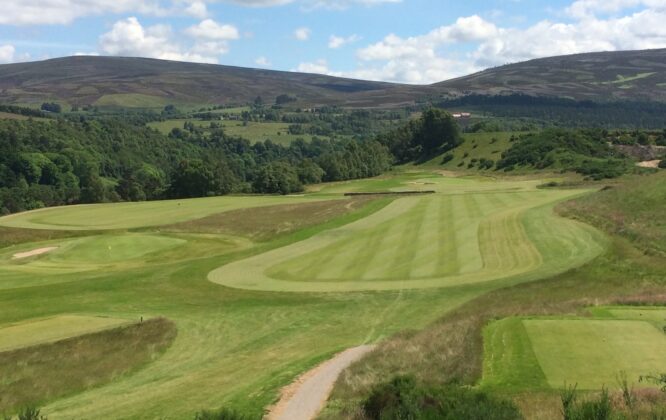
406,41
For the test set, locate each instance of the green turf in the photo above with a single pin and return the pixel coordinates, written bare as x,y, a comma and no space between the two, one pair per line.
132,100
32,332
439,240
532,354
475,146
237,347
253,131
137,214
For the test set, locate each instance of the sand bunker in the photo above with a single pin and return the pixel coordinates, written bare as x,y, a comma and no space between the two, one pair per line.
32,253
649,164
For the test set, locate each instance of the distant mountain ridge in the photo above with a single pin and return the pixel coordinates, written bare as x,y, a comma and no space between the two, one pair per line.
150,83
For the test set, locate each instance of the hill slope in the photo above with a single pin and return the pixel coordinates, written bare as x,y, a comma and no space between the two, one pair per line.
142,82
629,75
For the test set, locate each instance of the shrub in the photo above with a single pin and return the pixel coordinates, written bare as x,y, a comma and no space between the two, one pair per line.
447,158
403,398
662,163
30,413
594,409
223,414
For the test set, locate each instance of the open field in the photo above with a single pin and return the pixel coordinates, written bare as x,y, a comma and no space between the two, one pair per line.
41,331
136,214
255,132
553,353
237,347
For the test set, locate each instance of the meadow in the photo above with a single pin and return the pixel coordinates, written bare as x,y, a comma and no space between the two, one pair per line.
248,314
277,132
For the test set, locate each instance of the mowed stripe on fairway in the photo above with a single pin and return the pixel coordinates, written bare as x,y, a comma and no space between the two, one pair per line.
140,214
30,333
408,245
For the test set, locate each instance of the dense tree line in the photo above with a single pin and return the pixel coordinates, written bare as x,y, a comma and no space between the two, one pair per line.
88,161
563,112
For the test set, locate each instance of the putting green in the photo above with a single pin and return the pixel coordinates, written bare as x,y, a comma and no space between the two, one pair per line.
92,252
438,240
141,214
40,331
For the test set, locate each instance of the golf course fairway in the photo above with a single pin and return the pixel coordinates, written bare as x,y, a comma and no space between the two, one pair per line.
363,274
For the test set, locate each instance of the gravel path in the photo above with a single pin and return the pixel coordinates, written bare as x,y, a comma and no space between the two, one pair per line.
305,397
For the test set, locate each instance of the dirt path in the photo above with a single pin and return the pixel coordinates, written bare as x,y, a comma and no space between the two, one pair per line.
32,253
306,396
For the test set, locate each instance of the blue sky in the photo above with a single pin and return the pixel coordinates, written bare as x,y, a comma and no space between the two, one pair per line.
411,41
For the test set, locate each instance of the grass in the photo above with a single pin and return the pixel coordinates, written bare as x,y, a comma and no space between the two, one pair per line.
476,146
131,100
29,333
533,354
451,349
37,374
236,347
439,240
137,214
253,131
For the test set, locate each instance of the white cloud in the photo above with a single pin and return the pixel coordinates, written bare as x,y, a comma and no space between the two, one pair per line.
302,34
312,4
128,37
211,30
336,42
588,8
423,58
262,62
65,11
8,55
197,9
320,67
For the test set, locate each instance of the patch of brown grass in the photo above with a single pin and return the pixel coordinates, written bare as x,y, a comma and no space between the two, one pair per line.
262,223
14,236
37,374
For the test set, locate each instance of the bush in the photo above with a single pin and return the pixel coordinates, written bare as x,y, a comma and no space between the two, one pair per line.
594,409
403,398
30,413
223,414
662,164
447,158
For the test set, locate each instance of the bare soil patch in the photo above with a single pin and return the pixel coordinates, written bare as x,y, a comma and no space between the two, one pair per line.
649,164
33,252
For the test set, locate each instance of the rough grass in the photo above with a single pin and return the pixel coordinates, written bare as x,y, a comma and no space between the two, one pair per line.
57,328
138,214
476,146
452,347
633,209
38,374
263,223
253,131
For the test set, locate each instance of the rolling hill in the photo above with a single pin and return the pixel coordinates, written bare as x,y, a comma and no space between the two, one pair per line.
623,75
150,83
